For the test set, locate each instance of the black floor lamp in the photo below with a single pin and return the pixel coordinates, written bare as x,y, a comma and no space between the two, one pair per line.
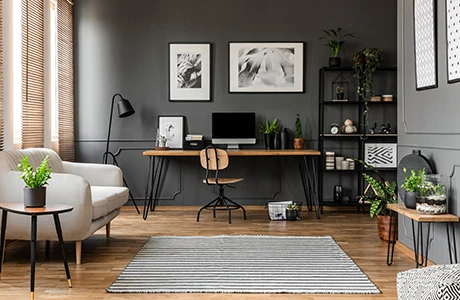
124,110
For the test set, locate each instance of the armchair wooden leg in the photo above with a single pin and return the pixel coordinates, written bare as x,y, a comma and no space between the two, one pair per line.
78,252
107,230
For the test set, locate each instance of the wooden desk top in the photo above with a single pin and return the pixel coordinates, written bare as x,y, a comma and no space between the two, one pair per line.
414,215
49,209
244,152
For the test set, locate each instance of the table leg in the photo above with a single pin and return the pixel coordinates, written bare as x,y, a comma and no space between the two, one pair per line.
453,257
304,184
391,240
57,224
157,183
312,182
2,240
33,243
153,184
148,186
427,246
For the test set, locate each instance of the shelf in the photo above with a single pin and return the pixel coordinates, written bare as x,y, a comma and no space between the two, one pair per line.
358,102
361,170
349,135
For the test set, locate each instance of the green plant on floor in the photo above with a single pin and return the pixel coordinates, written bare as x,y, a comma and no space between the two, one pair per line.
381,192
37,178
412,179
335,39
270,128
292,206
298,128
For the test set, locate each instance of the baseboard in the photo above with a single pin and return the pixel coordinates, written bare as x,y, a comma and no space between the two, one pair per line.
410,253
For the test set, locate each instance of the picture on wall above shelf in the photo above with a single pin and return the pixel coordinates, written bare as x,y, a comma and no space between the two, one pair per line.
266,67
453,40
190,72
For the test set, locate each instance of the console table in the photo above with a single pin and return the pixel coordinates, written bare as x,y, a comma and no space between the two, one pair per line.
305,158
34,212
448,219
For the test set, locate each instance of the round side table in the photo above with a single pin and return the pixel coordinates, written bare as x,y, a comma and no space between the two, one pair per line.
34,212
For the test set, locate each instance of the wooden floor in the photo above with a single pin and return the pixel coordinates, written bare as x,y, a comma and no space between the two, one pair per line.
103,259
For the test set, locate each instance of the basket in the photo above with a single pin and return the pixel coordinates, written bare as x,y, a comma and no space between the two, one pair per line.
277,209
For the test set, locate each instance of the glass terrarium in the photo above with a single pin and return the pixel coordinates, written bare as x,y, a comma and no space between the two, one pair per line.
431,195
340,89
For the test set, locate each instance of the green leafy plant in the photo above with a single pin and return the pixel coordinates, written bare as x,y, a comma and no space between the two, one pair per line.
293,206
270,128
298,128
381,192
365,62
412,179
339,90
37,178
427,189
335,39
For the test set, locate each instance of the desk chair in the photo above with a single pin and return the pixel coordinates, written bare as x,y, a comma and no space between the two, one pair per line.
214,160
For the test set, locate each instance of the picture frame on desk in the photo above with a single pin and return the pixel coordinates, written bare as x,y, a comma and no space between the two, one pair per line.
266,67
172,127
189,72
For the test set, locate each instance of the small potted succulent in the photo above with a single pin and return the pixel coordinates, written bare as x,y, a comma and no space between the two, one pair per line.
298,138
269,130
411,181
292,212
340,91
35,190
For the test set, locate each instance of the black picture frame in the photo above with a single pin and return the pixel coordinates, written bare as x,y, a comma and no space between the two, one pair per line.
425,44
186,83
453,40
286,77
172,127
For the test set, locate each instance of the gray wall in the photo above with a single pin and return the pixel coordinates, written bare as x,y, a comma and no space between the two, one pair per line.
428,120
122,47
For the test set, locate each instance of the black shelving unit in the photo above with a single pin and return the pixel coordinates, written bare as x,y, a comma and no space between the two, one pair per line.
352,145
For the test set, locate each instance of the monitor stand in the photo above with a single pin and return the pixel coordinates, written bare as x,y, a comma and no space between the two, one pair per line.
233,147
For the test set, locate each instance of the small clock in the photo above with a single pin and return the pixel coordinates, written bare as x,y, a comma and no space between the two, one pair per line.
334,128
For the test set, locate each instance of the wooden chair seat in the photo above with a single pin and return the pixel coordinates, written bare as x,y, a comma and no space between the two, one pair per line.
223,180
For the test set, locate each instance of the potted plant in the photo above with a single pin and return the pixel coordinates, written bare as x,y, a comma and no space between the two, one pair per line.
379,194
335,40
34,191
431,195
298,137
365,62
292,212
411,181
269,130
340,91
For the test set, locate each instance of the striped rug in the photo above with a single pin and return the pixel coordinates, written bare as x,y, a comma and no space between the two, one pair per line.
242,264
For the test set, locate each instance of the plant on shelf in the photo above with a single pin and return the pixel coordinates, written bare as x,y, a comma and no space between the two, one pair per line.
35,190
269,130
379,194
298,137
365,62
335,40
411,181
340,91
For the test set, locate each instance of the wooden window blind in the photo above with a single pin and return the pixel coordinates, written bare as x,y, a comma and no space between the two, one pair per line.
65,79
33,79
1,76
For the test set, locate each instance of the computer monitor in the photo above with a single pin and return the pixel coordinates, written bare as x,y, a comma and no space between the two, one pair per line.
233,128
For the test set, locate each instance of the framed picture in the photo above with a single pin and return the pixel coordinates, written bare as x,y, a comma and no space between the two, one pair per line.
266,67
172,128
189,72
453,40
382,155
425,43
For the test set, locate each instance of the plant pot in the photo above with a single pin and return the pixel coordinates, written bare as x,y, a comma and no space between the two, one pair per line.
269,141
285,138
292,215
298,143
277,141
383,226
410,199
35,197
334,61
340,96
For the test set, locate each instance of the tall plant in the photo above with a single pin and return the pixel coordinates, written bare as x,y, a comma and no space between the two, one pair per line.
335,39
365,62
298,127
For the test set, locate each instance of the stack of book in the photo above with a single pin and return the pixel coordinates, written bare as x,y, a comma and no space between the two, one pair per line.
194,137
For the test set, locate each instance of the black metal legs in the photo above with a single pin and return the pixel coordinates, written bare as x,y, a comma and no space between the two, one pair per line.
451,242
2,239
33,243
391,240
310,183
115,162
153,184
57,224
222,203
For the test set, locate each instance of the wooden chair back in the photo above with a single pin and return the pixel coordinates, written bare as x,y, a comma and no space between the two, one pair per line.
213,159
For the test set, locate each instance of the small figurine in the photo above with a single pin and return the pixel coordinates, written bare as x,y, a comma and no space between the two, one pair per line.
372,130
385,128
348,127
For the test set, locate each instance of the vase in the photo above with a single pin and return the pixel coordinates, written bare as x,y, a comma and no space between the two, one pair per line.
410,199
35,197
292,215
431,196
269,141
334,61
298,143
277,141
340,96
338,193
383,227
285,138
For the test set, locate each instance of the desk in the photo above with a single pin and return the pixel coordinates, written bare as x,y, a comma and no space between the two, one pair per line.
33,212
418,241
305,158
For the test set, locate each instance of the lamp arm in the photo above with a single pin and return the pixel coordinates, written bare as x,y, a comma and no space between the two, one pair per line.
110,127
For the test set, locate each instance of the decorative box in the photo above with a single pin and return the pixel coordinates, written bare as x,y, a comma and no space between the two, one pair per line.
194,145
